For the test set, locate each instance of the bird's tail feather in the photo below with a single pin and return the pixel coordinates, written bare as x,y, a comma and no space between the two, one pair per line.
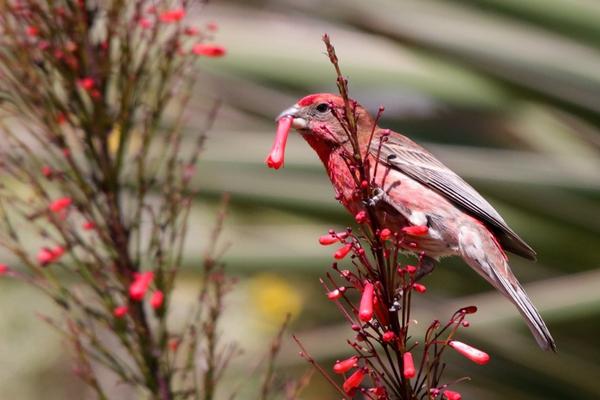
534,320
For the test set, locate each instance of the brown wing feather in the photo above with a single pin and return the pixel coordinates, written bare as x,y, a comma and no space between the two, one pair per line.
406,156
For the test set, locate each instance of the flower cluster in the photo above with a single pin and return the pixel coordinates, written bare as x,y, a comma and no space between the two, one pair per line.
375,297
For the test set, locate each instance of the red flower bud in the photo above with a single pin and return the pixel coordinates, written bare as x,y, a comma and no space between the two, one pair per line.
336,293
342,251
3,269
385,234
89,225
139,286
47,171
365,310
473,354
409,370
418,230
47,255
389,336
452,395
156,300
174,15
86,83
59,205
360,217
419,287
468,310
32,31
332,238
411,269
276,155
120,311
341,367
207,50
354,380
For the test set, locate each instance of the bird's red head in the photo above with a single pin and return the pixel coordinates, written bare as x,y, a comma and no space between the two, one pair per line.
316,117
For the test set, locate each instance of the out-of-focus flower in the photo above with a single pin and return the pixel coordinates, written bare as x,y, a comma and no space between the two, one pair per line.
32,31
89,225
61,204
139,286
275,298
191,31
157,299
49,255
212,26
120,311
341,367
47,171
208,50
145,23
4,269
418,287
174,15
86,83
385,234
388,336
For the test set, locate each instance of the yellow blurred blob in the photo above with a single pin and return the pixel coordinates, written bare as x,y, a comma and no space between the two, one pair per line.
114,140
275,297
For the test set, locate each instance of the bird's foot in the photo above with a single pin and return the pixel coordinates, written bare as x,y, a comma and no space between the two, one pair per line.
378,195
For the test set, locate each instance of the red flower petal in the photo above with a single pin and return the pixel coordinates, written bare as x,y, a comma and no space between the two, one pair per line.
328,239
342,252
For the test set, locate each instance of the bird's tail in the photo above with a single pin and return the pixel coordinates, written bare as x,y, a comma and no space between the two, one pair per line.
487,258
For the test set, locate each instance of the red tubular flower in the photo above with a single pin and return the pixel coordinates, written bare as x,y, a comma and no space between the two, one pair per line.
336,293
89,225
354,380
342,251
360,217
3,269
139,286
121,311
276,155
468,310
389,336
330,238
341,367
208,50
411,269
157,299
409,370
86,83
365,310
174,15
59,205
385,234
418,230
419,287
473,354
452,395
47,256
32,31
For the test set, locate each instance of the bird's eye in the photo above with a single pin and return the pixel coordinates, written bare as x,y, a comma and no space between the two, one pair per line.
323,107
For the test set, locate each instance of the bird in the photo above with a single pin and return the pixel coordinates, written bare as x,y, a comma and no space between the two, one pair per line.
414,189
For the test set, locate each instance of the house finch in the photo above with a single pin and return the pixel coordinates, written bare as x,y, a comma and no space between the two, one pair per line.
436,210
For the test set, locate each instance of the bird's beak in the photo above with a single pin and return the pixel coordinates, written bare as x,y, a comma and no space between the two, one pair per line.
297,122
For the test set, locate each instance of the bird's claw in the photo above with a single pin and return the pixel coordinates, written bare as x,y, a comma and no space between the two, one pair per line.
378,195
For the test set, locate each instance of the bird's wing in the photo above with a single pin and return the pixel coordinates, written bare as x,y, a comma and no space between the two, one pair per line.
404,155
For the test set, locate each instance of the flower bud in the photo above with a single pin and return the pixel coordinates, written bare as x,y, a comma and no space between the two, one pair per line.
360,217
452,395
418,230
157,299
473,354
59,205
389,336
385,234
419,287
365,310
120,312
354,380
332,238
342,252
408,370
341,367
139,286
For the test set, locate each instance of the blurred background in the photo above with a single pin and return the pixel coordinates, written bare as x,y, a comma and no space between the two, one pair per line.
505,92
